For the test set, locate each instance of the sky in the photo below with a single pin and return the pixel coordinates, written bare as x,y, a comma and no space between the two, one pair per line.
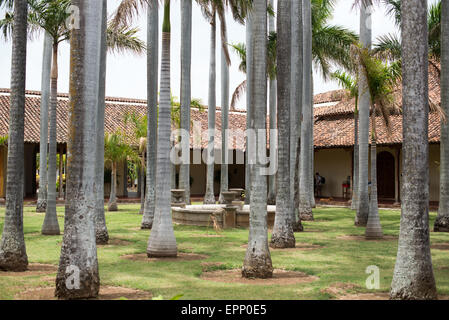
126,73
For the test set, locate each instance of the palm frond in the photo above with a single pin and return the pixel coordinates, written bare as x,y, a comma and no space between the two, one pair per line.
123,39
388,47
127,11
238,92
3,140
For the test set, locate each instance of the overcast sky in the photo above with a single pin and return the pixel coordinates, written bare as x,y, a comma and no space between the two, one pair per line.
126,74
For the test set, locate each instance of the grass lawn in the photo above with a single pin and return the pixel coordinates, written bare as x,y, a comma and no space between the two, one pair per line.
334,259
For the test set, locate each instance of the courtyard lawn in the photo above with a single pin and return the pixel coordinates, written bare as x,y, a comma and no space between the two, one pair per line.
335,258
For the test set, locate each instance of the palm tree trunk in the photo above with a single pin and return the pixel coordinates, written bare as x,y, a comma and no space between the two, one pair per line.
112,204
305,206
442,221
296,108
257,262
209,197
152,78
272,111
413,273
162,241
101,230
249,103
142,184
186,62
361,217
311,190
79,250
282,236
43,141
373,226
355,175
224,123
13,256
50,225
61,179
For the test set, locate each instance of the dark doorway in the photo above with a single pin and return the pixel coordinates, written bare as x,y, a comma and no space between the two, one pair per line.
385,175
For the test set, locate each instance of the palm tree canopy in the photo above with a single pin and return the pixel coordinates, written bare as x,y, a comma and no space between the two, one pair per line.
116,149
389,47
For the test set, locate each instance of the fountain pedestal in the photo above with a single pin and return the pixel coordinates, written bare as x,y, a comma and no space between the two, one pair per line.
178,198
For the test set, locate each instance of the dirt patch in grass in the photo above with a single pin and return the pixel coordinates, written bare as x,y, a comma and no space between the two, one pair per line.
280,277
298,246
307,230
362,238
342,291
440,246
34,269
182,256
207,236
116,242
106,293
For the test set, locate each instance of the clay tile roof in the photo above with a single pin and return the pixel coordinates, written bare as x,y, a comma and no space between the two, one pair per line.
116,109
330,96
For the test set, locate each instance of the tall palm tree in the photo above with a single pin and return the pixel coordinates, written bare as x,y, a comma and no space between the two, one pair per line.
78,251
152,78
209,197
381,83
101,230
305,205
13,256
413,273
43,140
186,62
162,241
257,263
296,108
442,221
272,112
362,214
282,236
116,149
224,181
249,103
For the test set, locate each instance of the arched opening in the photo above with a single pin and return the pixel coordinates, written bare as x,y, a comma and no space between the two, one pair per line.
385,175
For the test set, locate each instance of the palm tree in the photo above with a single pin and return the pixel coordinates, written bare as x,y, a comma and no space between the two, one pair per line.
152,78
282,236
209,197
257,262
305,205
162,241
442,221
272,112
78,251
249,103
362,214
381,83
186,61
224,181
43,141
350,84
116,149
13,256
413,273
296,108
101,230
